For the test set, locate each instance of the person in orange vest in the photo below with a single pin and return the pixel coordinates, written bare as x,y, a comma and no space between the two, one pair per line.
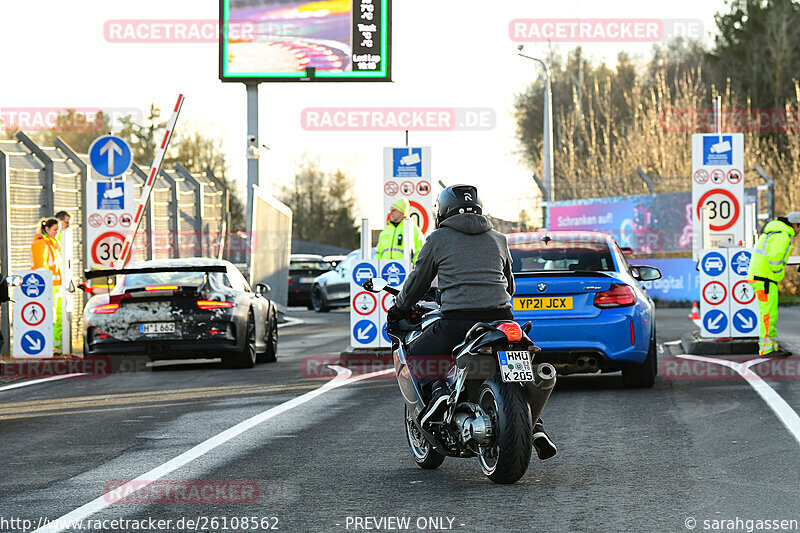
46,253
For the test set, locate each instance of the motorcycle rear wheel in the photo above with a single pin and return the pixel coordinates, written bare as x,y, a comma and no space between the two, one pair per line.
507,459
422,452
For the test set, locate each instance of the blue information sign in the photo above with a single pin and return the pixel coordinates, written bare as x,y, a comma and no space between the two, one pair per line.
110,156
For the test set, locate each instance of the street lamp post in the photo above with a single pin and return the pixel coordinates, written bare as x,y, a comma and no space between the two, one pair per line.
547,148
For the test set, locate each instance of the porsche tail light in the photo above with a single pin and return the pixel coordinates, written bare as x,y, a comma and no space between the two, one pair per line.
617,296
214,304
162,288
106,309
511,330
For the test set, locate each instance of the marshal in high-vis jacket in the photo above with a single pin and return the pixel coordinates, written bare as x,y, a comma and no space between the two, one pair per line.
772,251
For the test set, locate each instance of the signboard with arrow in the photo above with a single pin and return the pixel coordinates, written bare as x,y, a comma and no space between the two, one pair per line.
728,306
33,318
110,156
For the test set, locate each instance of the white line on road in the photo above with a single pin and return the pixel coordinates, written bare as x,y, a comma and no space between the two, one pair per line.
783,410
343,377
291,321
672,343
37,381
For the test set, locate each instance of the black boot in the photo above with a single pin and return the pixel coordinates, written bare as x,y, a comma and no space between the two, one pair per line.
545,448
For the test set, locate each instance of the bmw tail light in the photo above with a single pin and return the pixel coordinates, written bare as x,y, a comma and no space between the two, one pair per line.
511,330
213,304
616,296
106,309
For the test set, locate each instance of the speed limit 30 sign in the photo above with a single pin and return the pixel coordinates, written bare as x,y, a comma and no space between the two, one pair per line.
718,188
109,209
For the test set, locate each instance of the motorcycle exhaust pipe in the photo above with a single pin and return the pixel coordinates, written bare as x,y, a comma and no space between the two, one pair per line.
538,391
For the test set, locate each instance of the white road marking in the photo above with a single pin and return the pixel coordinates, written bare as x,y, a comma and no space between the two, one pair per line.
343,377
37,381
672,343
291,321
783,410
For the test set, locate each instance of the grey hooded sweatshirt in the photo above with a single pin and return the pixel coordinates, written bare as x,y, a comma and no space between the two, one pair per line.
473,264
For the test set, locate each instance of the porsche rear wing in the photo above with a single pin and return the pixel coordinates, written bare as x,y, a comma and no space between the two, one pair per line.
92,274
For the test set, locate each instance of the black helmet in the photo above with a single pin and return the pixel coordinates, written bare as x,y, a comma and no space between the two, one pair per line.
457,199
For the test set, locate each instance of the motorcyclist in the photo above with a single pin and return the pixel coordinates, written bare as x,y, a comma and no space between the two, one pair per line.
473,264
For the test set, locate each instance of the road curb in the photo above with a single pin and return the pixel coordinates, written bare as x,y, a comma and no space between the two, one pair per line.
361,352
692,343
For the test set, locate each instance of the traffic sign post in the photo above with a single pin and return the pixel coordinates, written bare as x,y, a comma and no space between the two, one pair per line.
110,156
110,209
407,174
718,187
368,310
33,315
728,305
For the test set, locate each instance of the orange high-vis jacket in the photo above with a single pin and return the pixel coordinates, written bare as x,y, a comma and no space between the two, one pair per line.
46,253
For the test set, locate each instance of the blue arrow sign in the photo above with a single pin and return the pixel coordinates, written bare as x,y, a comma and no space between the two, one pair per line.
713,264
744,320
362,272
394,273
365,331
32,285
33,342
715,321
740,262
110,156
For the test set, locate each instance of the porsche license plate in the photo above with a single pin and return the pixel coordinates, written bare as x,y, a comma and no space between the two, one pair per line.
157,327
543,303
515,366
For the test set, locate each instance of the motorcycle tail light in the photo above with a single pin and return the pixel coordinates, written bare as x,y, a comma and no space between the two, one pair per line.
106,309
511,330
486,350
213,304
617,296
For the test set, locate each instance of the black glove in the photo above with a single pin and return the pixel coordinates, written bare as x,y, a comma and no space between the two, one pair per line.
395,314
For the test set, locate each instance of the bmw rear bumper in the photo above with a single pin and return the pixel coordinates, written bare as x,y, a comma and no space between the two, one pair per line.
607,338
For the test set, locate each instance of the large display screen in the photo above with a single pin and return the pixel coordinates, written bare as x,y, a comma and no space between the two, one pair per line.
301,40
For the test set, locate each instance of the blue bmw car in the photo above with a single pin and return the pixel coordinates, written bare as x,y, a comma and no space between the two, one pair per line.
589,308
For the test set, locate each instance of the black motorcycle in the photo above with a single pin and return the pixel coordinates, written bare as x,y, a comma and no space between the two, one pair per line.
496,394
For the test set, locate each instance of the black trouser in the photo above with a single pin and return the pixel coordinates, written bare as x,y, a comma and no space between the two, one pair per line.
438,341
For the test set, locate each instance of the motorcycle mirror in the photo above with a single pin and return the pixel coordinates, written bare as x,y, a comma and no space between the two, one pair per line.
14,281
375,284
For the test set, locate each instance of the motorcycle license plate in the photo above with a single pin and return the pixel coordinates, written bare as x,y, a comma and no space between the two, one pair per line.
157,327
515,366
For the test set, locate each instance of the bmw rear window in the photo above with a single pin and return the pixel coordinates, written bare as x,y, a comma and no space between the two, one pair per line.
554,255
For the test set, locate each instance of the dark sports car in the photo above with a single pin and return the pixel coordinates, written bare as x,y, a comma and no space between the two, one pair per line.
182,308
303,268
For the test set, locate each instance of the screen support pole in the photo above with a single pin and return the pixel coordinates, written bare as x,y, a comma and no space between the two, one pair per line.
252,151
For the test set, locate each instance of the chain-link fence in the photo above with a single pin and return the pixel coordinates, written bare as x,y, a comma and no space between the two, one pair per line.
186,215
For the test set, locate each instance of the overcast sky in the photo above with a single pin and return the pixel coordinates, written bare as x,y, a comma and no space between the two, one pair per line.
446,53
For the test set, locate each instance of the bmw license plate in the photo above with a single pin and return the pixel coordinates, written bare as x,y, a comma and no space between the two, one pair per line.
515,366
157,327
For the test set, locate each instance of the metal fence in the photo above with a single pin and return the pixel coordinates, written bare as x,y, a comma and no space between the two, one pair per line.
186,215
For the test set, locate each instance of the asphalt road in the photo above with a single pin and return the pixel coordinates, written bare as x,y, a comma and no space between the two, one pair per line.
700,445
